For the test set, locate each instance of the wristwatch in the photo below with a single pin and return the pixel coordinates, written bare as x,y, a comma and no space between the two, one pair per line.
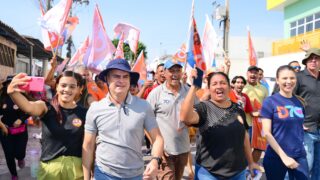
159,160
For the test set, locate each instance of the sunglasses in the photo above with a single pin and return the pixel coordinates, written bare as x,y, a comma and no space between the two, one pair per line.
296,67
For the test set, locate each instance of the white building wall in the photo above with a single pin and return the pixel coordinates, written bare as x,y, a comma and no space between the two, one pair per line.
238,53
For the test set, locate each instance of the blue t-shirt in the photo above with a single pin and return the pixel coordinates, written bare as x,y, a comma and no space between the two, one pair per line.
287,115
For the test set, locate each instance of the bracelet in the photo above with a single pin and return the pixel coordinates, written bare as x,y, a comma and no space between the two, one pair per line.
159,161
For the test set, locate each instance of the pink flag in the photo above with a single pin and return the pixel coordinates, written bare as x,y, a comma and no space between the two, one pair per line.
140,66
100,49
119,52
209,44
62,66
78,55
131,35
252,52
55,19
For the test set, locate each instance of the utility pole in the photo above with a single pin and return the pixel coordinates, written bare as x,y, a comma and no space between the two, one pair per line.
226,27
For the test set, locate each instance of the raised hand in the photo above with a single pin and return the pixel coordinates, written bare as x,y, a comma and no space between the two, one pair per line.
305,45
20,79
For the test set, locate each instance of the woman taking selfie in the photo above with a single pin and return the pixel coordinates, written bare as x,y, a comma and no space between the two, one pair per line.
13,131
282,120
223,147
62,126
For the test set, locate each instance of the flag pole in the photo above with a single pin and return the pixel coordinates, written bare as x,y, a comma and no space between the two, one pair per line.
55,51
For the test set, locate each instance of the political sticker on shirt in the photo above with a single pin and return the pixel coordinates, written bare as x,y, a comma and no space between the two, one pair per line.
15,107
4,106
76,122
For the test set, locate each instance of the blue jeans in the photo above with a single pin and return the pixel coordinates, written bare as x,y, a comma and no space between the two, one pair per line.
99,175
312,146
276,170
202,174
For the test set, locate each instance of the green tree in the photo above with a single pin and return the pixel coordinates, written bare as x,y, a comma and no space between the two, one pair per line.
128,54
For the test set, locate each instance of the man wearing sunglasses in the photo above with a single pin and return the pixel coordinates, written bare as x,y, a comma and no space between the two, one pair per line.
295,65
308,87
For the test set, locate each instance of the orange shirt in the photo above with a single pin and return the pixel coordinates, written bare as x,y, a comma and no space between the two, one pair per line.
105,89
95,91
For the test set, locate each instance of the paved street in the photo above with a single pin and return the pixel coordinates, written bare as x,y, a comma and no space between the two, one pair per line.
34,144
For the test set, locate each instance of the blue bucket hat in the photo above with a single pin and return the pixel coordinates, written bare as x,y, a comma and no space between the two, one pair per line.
171,62
120,64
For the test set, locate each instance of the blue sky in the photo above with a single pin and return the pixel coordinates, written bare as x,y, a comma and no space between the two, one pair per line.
163,23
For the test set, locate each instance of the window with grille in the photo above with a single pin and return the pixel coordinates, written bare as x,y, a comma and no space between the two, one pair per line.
304,25
6,56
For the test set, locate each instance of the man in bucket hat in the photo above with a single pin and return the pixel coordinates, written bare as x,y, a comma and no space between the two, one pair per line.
120,119
308,87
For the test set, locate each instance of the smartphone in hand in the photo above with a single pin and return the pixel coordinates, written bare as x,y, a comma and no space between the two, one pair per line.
198,81
149,76
35,84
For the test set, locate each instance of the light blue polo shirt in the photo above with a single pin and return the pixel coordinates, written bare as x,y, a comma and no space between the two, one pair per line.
121,134
166,107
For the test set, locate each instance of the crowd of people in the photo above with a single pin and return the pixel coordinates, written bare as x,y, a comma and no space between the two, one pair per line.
93,128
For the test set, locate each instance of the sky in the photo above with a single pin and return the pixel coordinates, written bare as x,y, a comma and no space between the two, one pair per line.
163,24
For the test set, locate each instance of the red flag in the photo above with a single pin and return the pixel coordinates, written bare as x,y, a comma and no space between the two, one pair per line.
252,53
78,55
131,35
69,27
194,48
140,66
197,48
256,104
181,54
101,48
119,52
55,19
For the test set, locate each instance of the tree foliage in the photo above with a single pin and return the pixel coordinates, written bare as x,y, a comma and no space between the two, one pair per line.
128,54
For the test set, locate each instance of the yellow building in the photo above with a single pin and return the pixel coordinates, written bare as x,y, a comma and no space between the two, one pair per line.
301,23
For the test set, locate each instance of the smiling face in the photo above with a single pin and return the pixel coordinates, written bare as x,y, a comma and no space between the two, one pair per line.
67,89
219,88
239,85
119,82
286,80
260,75
160,75
296,66
173,75
252,77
